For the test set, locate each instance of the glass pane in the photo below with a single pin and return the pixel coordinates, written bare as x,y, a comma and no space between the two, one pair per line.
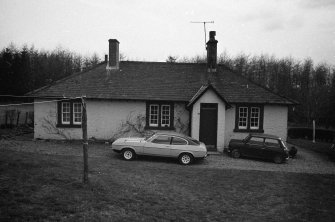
256,139
165,116
77,112
272,142
243,117
153,115
254,118
178,141
162,140
66,112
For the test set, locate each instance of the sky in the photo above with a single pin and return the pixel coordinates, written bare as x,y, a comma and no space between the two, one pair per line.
151,30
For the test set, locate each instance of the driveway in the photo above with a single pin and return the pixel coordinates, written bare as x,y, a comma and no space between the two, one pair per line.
305,162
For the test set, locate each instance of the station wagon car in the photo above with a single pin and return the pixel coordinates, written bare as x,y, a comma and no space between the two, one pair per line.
168,144
261,146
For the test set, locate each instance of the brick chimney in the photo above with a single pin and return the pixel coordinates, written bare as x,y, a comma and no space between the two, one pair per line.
113,62
211,52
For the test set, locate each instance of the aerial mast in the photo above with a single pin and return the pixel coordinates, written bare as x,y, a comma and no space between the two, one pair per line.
204,22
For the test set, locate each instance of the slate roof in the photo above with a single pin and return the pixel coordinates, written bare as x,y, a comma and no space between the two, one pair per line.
159,81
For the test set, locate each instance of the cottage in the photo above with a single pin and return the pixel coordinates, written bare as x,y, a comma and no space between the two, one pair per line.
209,102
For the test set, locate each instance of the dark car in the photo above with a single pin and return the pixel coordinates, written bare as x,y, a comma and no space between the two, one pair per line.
261,146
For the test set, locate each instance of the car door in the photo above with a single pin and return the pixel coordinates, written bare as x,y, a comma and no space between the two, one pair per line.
158,146
178,145
254,147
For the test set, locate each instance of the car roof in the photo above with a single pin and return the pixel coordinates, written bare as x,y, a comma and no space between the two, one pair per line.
264,135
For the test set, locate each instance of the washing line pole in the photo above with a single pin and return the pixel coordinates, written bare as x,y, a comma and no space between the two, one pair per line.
85,141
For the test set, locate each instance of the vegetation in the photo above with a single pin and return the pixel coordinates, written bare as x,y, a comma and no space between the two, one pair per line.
25,69
42,187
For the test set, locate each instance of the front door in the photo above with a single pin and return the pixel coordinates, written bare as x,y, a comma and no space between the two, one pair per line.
208,125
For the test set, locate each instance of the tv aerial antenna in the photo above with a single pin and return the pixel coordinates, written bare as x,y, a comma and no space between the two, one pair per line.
204,22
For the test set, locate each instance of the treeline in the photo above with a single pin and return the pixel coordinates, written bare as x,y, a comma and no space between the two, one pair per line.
23,69
311,85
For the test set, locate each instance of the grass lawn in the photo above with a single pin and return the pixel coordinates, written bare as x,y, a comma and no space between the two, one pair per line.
37,186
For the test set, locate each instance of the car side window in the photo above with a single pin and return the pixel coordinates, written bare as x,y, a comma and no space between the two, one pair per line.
256,140
178,141
272,142
162,139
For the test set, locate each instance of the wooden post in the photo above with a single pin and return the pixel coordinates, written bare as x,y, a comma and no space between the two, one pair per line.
26,121
313,131
18,118
85,142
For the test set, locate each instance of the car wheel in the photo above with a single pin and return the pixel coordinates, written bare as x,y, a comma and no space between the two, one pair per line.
278,159
236,153
185,159
128,154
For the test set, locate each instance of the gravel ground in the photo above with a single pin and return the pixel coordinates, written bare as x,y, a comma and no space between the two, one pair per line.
305,161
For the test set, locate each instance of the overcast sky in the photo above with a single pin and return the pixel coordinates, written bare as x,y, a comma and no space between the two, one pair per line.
151,30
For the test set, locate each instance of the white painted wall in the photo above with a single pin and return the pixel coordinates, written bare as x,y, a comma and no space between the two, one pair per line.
105,120
275,122
210,97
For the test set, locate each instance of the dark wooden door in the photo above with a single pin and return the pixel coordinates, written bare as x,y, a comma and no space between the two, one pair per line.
208,125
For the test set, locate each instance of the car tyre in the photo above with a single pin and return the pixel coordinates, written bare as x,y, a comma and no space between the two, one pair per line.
128,154
278,159
185,158
235,153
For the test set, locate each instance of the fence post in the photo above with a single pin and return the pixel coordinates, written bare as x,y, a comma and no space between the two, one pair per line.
313,131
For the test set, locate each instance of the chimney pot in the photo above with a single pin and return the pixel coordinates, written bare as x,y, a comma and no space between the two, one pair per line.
212,35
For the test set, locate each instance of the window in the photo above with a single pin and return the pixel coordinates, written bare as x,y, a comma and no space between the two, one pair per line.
272,142
249,118
254,117
165,120
77,113
159,115
162,140
256,140
243,117
66,114
69,114
178,141
153,115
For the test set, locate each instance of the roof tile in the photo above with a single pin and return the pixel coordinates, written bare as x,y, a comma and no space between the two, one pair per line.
159,81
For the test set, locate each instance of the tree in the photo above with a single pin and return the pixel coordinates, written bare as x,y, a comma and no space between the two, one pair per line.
171,59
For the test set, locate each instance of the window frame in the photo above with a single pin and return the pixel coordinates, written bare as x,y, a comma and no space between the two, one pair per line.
71,123
176,137
62,113
74,113
156,114
249,128
160,105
